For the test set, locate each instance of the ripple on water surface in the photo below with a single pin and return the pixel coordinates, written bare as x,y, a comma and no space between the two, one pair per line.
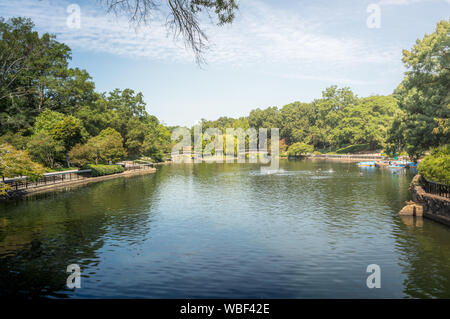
306,230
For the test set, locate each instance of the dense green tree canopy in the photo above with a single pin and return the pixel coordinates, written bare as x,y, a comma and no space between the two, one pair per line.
366,122
34,76
44,149
108,146
82,154
424,95
49,108
55,113
297,120
267,118
57,133
338,119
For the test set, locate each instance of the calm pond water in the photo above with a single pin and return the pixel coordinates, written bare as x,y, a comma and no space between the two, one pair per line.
226,230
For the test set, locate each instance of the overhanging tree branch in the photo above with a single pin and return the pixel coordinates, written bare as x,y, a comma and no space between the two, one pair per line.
183,18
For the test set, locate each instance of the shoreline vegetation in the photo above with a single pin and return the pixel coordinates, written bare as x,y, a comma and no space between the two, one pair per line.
105,172
79,181
52,116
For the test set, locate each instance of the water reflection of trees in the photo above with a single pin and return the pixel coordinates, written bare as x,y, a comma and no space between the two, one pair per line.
424,250
346,201
39,238
423,245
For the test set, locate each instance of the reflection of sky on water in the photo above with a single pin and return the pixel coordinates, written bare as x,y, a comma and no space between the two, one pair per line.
309,230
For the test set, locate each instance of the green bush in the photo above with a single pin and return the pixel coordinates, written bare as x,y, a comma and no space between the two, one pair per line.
82,154
436,166
155,154
353,149
300,148
158,157
101,170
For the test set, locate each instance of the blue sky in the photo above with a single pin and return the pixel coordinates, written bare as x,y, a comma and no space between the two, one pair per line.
275,52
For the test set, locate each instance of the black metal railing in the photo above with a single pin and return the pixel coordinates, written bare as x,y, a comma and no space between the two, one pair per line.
21,183
435,187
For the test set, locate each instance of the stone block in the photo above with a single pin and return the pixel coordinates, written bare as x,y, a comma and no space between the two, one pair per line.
411,210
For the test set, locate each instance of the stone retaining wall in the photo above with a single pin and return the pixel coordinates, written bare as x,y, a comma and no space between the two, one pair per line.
434,207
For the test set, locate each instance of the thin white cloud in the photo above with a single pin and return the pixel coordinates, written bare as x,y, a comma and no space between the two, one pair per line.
99,32
260,34
264,33
407,2
322,78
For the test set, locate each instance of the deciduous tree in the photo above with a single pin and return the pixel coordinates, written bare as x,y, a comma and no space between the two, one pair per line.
424,94
14,163
108,146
